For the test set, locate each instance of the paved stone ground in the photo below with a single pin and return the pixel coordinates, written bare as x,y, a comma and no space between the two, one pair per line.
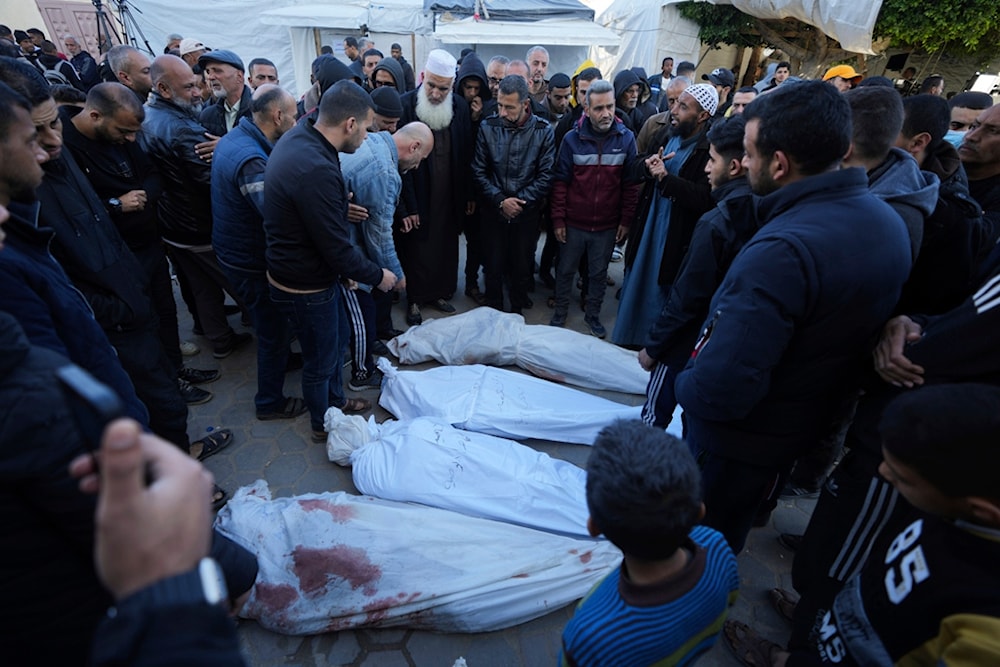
281,453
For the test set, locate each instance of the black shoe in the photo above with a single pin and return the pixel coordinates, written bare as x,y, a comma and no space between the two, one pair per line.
191,394
443,306
413,316
198,375
790,541
235,342
529,304
231,309
294,362
379,348
477,296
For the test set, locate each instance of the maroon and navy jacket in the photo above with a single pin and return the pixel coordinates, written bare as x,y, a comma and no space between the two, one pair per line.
590,191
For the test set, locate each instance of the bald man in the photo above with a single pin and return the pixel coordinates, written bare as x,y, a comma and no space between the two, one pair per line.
374,175
170,135
238,238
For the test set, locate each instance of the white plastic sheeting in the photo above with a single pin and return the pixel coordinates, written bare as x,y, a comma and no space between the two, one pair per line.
334,561
282,30
499,402
654,29
550,32
488,336
848,21
428,461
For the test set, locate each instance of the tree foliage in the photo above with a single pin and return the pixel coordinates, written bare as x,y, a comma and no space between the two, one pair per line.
963,27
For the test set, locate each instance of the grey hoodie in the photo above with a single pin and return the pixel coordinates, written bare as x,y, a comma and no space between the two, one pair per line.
911,192
395,69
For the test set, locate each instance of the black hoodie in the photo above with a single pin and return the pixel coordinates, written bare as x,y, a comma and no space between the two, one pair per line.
622,82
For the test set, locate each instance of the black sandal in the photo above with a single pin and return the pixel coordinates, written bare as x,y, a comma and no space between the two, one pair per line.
214,443
293,407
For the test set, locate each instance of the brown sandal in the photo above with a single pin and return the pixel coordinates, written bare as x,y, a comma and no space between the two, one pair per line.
356,405
749,648
783,601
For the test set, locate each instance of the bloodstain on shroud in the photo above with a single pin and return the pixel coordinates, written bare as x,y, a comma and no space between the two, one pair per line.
340,513
313,567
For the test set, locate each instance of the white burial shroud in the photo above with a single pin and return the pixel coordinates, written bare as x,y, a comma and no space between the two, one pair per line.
488,336
499,402
335,561
428,461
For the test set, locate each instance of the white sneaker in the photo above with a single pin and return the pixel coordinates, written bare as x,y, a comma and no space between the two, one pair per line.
189,349
617,255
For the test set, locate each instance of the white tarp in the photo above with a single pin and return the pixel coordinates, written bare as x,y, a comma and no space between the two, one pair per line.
334,561
848,21
282,30
652,30
549,32
488,336
428,461
499,402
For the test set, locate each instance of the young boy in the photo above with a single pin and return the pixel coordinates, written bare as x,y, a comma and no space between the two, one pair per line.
930,592
666,603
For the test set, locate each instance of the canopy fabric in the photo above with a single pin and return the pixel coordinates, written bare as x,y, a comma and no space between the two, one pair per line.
395,16
848,21
551,32
515,10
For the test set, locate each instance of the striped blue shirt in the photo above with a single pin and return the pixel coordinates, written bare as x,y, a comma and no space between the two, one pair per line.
669,623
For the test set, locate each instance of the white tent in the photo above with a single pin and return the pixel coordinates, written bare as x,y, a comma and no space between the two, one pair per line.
288,32
309,26
652,30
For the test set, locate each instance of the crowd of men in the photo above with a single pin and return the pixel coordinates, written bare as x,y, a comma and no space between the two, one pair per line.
775,238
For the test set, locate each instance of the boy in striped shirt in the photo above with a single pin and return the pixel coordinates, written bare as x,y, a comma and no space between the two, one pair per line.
666,603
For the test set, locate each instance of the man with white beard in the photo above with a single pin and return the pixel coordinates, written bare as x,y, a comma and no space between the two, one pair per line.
438,194
232,97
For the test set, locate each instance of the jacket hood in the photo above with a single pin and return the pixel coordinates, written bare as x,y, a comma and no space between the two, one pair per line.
943,161
899,179
330,71
573,79
645,93
627,78
395,69
472,66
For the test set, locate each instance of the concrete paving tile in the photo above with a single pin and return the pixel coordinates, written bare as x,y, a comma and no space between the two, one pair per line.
386,637
285,469
428,648
255,455
344,650
385,658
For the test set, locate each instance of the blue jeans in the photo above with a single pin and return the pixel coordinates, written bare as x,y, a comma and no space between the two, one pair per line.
598,246
274,333
318,319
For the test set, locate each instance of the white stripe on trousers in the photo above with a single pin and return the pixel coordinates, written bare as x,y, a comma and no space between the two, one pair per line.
877,508
359,333
653,390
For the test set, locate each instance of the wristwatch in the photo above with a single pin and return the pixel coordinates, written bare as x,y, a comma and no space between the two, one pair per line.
204,584
115,204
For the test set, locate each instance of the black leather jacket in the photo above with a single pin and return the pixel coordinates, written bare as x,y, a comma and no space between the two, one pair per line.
514,161
169,135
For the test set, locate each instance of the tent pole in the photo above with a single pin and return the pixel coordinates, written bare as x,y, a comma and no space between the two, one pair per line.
317,40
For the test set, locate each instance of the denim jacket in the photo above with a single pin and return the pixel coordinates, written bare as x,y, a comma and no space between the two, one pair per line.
372,174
